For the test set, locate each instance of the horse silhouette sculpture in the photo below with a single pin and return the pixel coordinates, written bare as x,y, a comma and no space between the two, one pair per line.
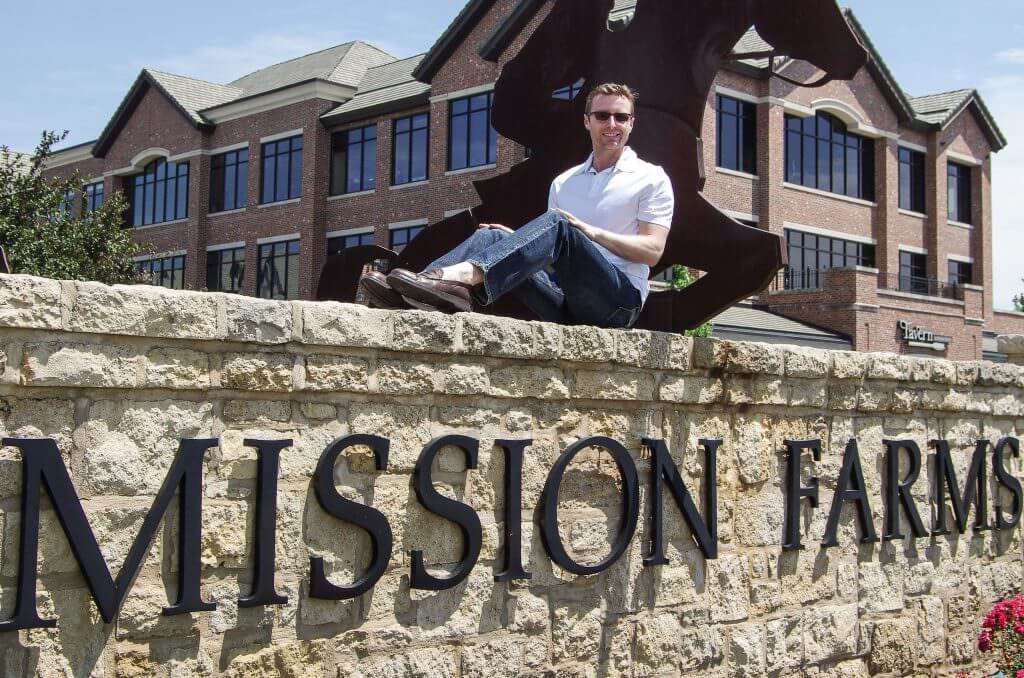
670,52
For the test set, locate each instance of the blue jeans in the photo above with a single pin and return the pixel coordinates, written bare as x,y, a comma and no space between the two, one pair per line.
585,288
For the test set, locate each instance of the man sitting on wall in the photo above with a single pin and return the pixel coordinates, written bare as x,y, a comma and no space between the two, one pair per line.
606,225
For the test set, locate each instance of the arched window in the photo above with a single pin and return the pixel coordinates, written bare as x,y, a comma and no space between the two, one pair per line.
159,193
821,154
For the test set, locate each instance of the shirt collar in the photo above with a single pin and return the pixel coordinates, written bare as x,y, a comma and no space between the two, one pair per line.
627,163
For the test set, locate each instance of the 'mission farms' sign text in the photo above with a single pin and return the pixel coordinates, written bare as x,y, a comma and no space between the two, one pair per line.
42,465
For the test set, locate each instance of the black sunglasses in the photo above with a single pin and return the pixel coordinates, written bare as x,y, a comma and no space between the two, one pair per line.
603,116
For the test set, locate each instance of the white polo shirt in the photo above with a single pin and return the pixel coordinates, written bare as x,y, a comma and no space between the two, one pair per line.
617,200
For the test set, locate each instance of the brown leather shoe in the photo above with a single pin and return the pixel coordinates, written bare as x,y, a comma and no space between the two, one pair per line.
428,291
378,293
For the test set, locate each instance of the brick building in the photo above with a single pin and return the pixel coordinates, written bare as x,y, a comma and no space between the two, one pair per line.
884,199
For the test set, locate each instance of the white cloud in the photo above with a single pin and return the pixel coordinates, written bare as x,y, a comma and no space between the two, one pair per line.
1004,95
1014,55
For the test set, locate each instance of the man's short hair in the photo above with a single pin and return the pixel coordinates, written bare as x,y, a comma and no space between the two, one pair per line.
613,89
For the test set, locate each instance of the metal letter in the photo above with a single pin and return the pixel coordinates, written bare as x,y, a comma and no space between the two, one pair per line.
366,517
630,505
795,492
268,455
42,464
850,487
897,492
705,532
457,512
513,510
975,489
1007,480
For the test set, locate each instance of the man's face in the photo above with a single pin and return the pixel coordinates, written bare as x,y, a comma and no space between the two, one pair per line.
609,135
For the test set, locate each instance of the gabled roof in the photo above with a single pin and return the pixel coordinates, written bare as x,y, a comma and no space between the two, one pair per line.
942,109
383,89
342,64
457,30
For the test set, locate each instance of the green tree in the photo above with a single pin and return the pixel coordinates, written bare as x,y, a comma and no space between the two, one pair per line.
681,278
41,234
1018,301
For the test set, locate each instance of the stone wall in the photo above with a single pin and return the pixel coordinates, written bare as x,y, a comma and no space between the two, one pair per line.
117,375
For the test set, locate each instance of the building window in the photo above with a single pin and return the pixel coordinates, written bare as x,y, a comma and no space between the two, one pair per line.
229,180
282,170
960,273
278,270
354,160
336,244
472,142
165,271
569,92
93,197
911,180
159,194
913,272
809,254
736,144
67,203
225,269
400,237
958,183
821,154
409,159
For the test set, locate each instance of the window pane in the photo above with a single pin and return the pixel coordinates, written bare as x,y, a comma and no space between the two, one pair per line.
458,142
419,155
229,186
728,136
748,140
268,178
281,185
402,144
370,164
354,170
478,138
295,189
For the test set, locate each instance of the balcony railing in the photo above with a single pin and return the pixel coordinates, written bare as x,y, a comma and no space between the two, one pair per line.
913,284
790,279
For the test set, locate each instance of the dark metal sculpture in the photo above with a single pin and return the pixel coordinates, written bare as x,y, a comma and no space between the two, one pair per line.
670,53
4,266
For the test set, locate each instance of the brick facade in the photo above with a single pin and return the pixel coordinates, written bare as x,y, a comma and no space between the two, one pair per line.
864,312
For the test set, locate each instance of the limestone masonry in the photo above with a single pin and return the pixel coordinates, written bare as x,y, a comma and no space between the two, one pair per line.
118,375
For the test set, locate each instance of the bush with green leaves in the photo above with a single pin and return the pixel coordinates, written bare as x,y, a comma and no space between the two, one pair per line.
1018,301
681,278
41,234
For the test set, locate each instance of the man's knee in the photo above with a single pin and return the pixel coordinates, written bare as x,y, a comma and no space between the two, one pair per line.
487,236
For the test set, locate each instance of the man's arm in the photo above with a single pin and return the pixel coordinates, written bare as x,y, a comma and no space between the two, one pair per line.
646,247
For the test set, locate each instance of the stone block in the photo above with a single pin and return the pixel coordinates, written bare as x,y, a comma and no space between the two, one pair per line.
849,365
880,587
55,364
889,366
528,382
458,379
894,646
576,631
753,358
257,371
408,427
806,363
404,377
260,321
177,369
759,517
29,302
747,650
330,323
728,588
784,646
931,629
496,336
687,389
143,310
424,332
336,373
283,660
830,633
614,385
584,343
258,411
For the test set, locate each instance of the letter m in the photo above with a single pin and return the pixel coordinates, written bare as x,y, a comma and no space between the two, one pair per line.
42,465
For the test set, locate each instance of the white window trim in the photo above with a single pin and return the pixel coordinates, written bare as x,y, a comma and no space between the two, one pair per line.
459,94
912,146
289,201
964,159
913,250
408,184
742,215
467,170
960,224
814,230
281,135
853,120
161,255
355,194
359,230
162,223
737,173
407,224
911,213
214,215
829,194
278,238
741,96
242,145
962,259
225,246
452,213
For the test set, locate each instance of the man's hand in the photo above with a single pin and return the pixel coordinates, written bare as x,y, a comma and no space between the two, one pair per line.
497,227
586,229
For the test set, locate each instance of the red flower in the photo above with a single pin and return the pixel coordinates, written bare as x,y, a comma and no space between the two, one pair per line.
984,641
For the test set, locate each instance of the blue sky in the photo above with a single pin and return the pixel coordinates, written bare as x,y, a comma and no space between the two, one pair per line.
68,64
